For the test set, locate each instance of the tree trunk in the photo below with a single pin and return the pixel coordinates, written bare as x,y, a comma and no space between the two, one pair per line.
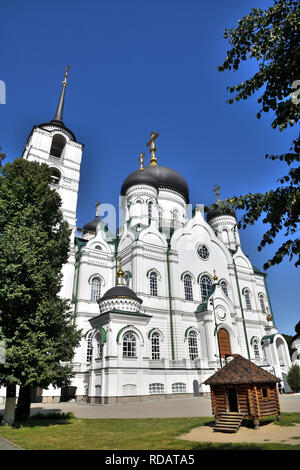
10,405
23,405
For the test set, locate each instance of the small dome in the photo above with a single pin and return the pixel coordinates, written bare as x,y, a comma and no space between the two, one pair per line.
218,209
91,226
120,291
158,177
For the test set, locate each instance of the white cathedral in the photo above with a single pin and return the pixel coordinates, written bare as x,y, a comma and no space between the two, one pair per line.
165,301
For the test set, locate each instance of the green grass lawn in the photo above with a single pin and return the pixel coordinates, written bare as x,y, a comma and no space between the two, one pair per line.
69,433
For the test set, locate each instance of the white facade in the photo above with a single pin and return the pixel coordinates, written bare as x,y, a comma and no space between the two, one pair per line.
193,279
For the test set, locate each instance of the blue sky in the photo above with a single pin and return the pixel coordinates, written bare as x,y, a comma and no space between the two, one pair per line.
138,66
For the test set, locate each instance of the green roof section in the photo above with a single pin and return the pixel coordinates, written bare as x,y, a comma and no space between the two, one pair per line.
203,307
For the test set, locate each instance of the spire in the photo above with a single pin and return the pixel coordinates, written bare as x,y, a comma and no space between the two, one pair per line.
151,144
60,107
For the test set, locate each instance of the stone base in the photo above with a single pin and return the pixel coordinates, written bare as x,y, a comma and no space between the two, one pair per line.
51,399
137,398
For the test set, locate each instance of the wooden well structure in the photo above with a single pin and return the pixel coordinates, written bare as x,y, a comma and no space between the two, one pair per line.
243,387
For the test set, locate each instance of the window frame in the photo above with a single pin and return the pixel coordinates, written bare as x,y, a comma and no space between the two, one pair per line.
153,284
156,388
248,305
204,297
131,352
97,290
193,349
188,289
199,248
179,385
155,347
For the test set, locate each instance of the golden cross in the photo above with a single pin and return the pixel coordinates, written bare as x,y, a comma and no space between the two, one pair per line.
66,74
141,160
216,190
153,137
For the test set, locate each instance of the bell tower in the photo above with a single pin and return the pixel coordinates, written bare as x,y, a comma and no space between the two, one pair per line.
54,144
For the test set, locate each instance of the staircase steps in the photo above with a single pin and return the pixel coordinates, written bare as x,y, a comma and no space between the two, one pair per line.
229,422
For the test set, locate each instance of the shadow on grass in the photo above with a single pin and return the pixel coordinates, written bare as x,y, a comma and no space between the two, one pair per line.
43,420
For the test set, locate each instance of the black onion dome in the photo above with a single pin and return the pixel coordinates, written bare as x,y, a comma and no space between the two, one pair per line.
218,209
138,177
91,226
158,176
120,291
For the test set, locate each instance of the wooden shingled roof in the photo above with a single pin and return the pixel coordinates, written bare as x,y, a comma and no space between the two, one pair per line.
241,371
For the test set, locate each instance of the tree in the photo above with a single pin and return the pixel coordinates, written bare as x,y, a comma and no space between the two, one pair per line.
272,38
293,378
35,323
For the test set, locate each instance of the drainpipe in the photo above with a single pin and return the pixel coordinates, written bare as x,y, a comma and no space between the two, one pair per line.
170,299
241,305
269,299
75,300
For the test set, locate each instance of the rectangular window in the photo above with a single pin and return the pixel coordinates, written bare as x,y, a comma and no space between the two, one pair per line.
156,389
179,387
129,389
265,391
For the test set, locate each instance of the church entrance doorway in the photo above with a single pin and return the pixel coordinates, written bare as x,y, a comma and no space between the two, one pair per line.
232,399
224,343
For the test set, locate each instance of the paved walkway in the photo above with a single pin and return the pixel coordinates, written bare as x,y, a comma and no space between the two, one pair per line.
166,408
7,445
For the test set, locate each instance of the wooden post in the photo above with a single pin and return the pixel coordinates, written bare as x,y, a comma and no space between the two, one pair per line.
251,409
277,404
256,417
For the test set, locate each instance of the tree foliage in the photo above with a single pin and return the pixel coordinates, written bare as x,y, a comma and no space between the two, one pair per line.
35,322
272,38
293,378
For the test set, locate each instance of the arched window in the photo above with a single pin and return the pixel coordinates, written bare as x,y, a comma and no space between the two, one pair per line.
98,346
95,289
129,345
58,144
89,347
150,206
153,283
155,346
160,216
247,299
174,217
193,346
255,345
262,303
55,176
205,285
224,286
188,287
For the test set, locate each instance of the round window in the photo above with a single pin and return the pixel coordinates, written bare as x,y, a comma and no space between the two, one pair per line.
203,252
